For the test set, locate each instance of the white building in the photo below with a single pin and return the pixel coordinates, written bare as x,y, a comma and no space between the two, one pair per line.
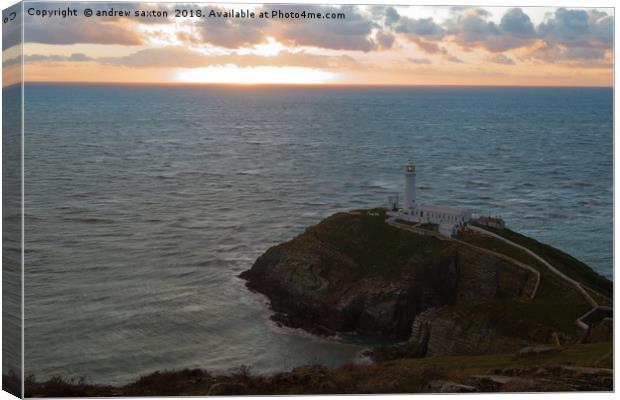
448,219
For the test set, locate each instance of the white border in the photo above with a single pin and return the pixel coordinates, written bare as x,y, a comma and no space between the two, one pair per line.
520,3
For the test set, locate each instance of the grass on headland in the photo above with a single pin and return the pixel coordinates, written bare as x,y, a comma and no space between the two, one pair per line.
378,249
586,355
566,263
556,303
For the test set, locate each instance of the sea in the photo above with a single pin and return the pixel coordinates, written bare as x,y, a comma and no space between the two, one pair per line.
144,203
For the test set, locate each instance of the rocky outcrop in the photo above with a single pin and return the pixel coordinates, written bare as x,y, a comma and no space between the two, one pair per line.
560,378
456,331
353,272
441,386
428,295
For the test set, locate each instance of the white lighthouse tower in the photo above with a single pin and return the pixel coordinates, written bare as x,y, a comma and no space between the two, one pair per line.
409,186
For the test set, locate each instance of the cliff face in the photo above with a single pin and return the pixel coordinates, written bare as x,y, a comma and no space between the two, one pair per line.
353,272
450,332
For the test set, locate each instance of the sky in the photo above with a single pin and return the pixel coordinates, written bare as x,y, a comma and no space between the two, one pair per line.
372,45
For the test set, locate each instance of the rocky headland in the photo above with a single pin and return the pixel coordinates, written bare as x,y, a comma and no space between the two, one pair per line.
430,295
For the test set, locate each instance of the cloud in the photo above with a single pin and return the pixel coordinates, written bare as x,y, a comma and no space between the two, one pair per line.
103,33
385,39
472,30
181,57
578,29
567,36
424,32
427,46
423,27
452,58
50,60
11,61
469,28
355,32
352,33
77,31
571,37
584,57
419,60
384,14
227,32
516,22
80,29
391,15
75,57
500,59
578,38
166,57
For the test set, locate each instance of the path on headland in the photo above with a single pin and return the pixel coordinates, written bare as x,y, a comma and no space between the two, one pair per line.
595,306
551,268
532,286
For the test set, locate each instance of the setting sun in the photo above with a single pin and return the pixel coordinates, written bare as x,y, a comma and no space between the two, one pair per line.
254,75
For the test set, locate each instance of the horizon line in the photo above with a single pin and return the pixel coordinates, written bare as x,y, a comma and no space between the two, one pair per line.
304,85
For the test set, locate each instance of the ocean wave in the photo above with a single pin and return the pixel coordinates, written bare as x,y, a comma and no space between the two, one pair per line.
379,184
249,172
91,220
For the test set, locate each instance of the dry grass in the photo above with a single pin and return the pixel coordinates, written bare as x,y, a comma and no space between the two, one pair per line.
401,376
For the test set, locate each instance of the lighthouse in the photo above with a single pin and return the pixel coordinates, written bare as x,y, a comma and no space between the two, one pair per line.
409,186
448,220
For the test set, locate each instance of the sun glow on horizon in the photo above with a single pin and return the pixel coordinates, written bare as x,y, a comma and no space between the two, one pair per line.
254,75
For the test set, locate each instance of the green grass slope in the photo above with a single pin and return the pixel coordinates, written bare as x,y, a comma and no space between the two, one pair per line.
566,263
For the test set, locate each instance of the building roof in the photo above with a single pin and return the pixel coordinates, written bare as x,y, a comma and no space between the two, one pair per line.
491,219
441,209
